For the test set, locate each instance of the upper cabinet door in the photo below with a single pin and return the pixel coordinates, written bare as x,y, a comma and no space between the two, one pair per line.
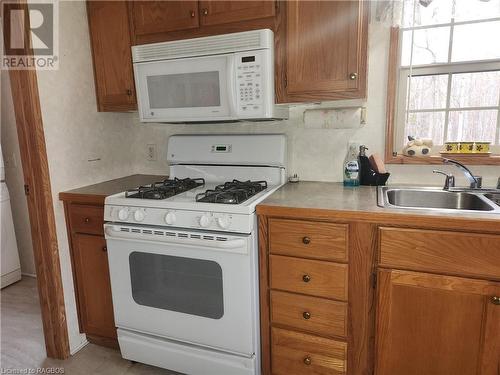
220,12
151,17
110,42
437,325
325,54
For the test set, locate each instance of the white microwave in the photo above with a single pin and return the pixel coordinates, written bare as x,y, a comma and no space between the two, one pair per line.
217,78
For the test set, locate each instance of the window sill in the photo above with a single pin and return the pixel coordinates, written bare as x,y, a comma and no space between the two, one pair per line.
437,159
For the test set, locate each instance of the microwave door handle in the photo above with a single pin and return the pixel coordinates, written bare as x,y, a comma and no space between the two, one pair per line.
231,85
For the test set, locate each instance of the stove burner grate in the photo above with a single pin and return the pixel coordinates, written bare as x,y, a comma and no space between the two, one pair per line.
233,192
165,189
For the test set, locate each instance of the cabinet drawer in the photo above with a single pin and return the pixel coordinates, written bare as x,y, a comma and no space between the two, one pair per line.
466,254
87,219
294,353
308,239
312,314
316,278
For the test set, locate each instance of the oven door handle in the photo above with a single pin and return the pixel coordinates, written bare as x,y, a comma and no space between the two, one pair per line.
232,244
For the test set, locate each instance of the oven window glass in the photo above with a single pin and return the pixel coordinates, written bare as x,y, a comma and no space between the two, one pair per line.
187,90
191,286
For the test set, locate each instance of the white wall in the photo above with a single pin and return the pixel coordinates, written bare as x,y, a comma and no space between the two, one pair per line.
14,178
75,133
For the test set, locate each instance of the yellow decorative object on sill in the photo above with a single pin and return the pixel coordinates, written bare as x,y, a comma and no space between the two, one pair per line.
466,148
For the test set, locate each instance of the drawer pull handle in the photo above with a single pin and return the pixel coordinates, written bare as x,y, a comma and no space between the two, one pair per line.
307,360
306,315
87,220
353,76
205,11
306,240
306,278
495,300
104,248
192,14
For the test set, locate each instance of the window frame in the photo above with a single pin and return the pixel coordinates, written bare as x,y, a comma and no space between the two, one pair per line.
397,91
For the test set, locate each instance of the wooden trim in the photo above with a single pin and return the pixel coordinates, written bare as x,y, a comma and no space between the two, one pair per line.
391,156
392,82
29,124
265,328
436,159
361,305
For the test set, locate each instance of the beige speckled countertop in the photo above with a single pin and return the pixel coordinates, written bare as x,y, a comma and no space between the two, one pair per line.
352,202
96,193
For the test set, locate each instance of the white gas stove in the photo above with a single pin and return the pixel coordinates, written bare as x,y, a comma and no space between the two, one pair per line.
183,255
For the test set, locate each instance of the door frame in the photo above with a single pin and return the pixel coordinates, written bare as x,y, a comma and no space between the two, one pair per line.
29,124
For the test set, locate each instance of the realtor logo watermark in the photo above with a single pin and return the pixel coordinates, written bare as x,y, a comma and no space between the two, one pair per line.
32,38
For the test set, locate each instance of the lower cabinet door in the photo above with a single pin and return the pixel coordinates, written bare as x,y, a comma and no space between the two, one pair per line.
93,285
436,325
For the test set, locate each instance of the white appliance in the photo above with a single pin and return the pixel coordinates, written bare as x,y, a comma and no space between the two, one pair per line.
217,78
184,269
9,262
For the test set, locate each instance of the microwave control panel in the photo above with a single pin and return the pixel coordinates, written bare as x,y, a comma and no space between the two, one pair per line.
250,75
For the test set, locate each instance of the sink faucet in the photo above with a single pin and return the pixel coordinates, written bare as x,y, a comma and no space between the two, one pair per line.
450,179
475,181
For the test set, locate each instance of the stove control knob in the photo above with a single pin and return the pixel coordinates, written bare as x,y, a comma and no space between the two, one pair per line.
170,218
123,214
205,221
139,215
224,221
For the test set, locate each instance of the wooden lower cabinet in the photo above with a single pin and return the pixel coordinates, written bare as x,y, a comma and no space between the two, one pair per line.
295,353
89,260
94,288
436,325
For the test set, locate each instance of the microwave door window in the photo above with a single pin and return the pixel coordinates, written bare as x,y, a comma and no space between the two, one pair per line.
186,285
184,90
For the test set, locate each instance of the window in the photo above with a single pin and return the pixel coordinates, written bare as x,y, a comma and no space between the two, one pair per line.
448,72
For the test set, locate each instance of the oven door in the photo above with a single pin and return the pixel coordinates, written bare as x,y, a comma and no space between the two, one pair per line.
184,90
194,287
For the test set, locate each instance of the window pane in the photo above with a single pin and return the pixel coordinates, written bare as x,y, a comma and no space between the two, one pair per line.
466,10
429,46
475,89
478,126
438,11
428,92
477,41
426,125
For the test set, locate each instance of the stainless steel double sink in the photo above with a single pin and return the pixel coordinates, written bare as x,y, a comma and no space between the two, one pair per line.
456,199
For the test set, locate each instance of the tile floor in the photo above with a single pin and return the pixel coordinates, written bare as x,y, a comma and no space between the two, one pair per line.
22,342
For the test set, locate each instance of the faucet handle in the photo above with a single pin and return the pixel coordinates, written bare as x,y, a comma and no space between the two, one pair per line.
450,179
478,184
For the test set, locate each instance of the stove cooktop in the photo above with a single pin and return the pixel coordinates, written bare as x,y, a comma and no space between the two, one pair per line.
233,192
165,189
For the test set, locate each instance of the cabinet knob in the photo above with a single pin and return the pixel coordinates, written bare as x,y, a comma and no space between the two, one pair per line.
87,220
353,76
307,360
104,248
495,300
306,278
129,92
204,11
192,13
306,315
306,240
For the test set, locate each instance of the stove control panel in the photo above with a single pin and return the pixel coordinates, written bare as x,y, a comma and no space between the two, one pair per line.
214,221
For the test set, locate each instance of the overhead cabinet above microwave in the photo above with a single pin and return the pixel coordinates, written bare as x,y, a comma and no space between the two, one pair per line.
217,78
317,55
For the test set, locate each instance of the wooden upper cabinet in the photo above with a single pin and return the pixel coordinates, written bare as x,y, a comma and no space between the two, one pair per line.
325,51
436,325
110,43
150,17
220,12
